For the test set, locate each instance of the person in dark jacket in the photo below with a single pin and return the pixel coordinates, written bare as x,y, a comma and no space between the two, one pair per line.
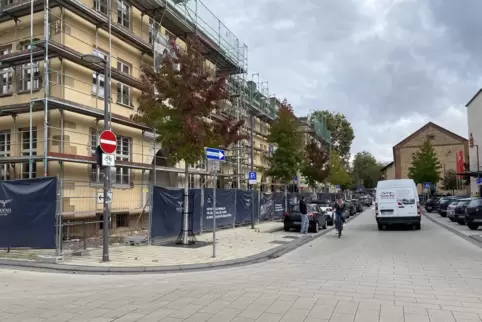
340,208
304,216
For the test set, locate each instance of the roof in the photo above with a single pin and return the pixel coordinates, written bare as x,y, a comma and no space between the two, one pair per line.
387,166
474,97
438,127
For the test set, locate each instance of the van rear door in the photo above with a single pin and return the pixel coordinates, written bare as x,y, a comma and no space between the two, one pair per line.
406,202
387,203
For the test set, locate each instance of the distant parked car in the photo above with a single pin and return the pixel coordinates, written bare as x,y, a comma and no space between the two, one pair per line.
326,207
317,218
350,209
431,204
473,214
459,211
444,204
358,205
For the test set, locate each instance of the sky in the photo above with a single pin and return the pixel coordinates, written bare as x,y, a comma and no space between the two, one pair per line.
390,66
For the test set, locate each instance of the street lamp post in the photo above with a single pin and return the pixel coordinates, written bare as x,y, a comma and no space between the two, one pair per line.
96,60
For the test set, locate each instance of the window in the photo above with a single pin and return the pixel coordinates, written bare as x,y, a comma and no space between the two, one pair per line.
123,91
98,80
100,6
123,153
192,181
122,220
4,152
24,78
119,175
25,151
6,74
123,13
151,31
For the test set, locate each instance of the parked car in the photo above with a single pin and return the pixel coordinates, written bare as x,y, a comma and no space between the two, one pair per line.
443,205
350,209
358,205
451,209
473,214
459,211
326,207
431,204
317,218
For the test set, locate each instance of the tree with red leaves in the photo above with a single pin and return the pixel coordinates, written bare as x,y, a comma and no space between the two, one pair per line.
178,100
316,165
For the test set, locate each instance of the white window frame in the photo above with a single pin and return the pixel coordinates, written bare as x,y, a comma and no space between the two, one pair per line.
123,91
100,6
123,153
6,74
98,79
124,13
25,150
5,140
26,79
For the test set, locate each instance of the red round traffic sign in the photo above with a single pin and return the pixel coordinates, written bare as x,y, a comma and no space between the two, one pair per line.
108,142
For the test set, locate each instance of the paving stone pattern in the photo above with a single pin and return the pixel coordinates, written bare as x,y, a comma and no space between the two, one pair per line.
367,275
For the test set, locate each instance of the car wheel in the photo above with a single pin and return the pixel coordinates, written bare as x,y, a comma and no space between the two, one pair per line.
472,226
461,222
418,226
380,227
316,227
428,210
287,228
452,219
324,225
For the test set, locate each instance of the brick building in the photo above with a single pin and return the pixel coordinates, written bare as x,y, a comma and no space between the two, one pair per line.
445,143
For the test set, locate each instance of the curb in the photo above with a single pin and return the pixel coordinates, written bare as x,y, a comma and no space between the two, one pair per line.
454,231
103,270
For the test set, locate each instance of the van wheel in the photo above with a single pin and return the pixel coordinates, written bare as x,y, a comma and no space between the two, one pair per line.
472,226
380,227
418,227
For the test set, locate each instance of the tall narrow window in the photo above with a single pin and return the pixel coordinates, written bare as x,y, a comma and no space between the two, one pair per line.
25,151
4,153
6,74
123,153
123,91
25,80
123,13
100,6
98,80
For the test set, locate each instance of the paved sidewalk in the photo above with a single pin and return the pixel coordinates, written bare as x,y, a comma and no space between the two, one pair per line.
462,229
231,244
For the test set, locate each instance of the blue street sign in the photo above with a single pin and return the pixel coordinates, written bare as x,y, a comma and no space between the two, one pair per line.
215,154
478,180
427,185
252,176
337,187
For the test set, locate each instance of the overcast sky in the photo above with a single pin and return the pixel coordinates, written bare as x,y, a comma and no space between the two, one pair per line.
389,65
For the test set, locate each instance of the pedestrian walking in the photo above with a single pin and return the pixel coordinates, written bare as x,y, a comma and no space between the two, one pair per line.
304,216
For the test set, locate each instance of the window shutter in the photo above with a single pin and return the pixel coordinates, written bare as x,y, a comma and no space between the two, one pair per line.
18,77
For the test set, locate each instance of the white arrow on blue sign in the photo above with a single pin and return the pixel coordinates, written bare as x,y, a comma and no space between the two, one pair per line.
427,185
478,181
215,154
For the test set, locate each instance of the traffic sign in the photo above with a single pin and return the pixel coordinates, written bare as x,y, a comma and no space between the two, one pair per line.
100,197
478,181
215,154
108,141
214,165
108,160
252,177
427,185
337,187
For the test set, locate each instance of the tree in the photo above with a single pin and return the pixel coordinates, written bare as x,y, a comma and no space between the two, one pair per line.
316,164
450,180
342,134
286,159
366,169
425,165
338,174
177,100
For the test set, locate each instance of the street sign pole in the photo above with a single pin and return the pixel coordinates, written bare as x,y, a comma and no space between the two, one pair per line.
215,180
106,214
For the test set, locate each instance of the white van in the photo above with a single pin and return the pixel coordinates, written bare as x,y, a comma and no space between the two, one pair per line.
397,203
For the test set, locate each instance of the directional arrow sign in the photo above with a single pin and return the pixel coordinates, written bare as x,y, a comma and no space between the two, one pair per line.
100,197
215,154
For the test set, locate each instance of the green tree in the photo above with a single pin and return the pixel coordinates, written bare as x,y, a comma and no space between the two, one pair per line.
425,165
338,174
342,134
450,180
177,101
366,169
316,164
286,159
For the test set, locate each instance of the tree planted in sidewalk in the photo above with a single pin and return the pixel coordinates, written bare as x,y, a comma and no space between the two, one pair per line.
338,174
178,100
286,159
450,180
425,165
316,164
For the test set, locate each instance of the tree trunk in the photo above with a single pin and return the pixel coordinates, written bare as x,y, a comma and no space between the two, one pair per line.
185,216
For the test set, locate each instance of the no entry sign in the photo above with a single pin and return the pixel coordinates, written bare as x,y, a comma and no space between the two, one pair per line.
108,142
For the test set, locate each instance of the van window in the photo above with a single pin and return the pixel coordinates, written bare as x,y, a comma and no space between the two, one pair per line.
405,196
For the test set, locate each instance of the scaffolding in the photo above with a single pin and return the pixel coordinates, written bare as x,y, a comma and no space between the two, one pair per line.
55,98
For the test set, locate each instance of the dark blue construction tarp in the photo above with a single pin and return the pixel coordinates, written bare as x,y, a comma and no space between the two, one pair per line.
245,206
167,210
279,204
266,211
28,211
226,210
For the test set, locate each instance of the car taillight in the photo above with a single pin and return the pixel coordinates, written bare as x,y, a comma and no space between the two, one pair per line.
286,214
419,210
376,209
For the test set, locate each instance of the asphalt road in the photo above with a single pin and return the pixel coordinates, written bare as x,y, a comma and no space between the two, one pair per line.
367,275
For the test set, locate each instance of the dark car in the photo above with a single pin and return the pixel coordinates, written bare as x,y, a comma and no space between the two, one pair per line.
350,209
431,204
473,213
459,211
358,205
443,205
317,218
326,207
